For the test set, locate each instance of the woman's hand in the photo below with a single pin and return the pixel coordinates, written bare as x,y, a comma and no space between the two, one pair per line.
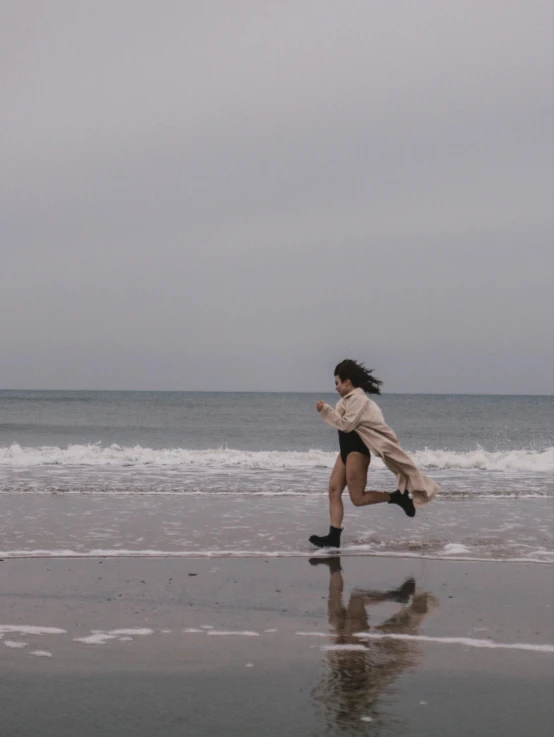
320,405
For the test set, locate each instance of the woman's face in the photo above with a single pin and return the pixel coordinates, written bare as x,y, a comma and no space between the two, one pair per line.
343,387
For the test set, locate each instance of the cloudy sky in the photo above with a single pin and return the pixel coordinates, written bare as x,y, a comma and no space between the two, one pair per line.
236,195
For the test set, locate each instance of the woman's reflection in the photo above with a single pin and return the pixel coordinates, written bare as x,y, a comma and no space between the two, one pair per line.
361,674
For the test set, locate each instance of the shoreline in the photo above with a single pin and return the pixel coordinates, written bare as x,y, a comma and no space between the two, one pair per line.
251,555
84,526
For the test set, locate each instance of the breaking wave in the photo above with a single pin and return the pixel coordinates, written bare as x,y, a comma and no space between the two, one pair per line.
15,456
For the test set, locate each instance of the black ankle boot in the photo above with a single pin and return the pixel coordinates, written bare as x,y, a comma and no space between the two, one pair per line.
332,540
403,594
403,500
332,563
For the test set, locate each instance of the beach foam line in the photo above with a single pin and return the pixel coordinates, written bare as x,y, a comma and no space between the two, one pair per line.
446,495
466,641
95,454
359,551
19,629
101,637
225,633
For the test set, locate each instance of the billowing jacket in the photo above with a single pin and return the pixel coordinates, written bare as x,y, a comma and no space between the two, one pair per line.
358,412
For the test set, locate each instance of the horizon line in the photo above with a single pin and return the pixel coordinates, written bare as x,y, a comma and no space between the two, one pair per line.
280,391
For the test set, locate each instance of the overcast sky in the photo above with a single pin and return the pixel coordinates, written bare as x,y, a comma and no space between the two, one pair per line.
237,195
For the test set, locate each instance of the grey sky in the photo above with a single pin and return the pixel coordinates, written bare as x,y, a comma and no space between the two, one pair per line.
236,195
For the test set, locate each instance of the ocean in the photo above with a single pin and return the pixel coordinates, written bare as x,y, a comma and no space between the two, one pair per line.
245,474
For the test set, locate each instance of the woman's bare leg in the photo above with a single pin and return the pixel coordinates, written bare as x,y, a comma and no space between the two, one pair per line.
337,484
356,480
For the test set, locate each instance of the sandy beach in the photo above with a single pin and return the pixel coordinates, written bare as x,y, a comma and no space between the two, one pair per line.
280,646
157,579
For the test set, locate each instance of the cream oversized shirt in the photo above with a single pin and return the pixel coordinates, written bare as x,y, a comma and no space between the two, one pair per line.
356,411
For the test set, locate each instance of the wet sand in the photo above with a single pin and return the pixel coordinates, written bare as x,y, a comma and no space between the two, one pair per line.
280,646
268,526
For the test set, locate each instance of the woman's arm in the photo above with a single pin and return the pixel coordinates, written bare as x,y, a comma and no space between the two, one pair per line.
354,409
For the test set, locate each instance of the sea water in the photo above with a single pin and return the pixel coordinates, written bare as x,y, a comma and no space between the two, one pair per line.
182,473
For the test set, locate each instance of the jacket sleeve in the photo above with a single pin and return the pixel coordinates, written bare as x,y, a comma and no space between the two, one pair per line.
354,410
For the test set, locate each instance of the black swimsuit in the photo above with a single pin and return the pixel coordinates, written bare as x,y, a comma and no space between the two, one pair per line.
351,442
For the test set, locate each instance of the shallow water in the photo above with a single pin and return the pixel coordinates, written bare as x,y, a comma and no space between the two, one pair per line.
246,474
241,525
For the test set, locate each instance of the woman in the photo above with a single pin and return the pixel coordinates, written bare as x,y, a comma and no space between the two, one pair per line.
362,429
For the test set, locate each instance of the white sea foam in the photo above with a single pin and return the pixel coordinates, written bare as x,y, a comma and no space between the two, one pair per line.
14,644
313,634
534,556
467,641
508,460
244,633
15,456
102,637
136,631
41,653
456,549
29,630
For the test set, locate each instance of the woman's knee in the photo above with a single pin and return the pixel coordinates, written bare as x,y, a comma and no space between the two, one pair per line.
357,499
335,490
356,483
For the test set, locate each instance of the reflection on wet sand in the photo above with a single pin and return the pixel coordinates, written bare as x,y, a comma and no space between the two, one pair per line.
354,691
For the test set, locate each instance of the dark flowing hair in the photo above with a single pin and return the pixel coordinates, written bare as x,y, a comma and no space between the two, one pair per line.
359,375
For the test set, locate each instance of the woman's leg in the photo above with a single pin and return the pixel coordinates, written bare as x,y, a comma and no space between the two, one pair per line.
356,480
337,484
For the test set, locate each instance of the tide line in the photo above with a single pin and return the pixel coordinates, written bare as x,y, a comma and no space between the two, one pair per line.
467,641
353,552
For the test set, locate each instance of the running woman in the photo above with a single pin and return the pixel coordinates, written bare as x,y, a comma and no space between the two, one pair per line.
362,431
